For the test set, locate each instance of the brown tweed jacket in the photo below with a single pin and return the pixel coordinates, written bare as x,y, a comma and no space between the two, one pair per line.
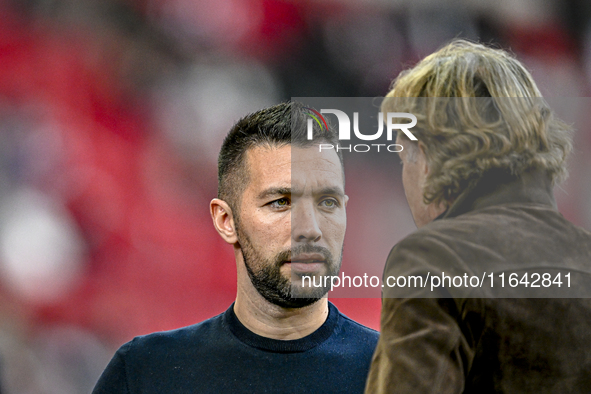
490,339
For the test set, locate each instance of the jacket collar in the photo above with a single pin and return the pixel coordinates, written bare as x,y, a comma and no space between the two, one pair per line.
499,187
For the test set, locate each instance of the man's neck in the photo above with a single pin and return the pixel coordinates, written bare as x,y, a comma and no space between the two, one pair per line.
275,322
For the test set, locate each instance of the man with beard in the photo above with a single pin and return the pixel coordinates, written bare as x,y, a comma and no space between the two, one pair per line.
479,184
281,205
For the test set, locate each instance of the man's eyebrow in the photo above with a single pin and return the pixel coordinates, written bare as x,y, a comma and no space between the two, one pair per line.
274,191
334,191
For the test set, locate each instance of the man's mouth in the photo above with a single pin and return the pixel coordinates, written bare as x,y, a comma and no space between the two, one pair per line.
306,262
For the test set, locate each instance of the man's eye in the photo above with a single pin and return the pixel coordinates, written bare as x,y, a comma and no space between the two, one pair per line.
280,203
330,203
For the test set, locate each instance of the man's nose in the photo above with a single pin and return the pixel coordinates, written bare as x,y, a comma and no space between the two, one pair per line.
304,223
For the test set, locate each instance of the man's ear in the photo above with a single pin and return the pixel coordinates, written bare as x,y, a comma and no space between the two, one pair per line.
223,220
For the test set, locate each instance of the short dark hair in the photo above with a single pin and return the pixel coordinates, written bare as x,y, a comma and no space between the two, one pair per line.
276,126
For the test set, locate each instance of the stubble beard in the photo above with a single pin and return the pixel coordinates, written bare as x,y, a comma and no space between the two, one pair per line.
267,279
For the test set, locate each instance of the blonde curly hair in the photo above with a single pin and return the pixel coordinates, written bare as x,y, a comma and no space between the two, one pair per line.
478,109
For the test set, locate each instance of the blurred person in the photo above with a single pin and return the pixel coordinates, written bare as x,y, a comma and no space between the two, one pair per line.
479,182
281,205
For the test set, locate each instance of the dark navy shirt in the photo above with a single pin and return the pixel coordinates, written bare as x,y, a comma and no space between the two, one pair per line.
220,355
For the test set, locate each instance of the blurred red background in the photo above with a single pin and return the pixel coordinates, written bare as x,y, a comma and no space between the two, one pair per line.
111,116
